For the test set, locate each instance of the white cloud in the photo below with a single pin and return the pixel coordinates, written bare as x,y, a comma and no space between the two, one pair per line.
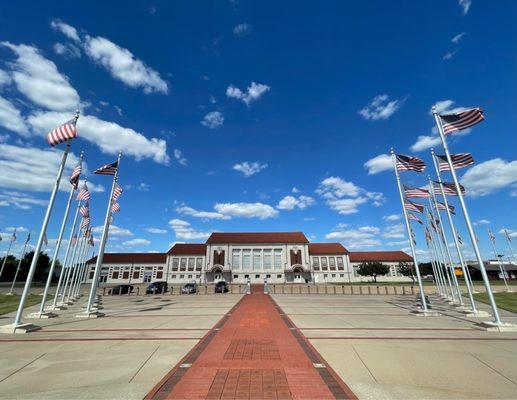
109,136
39,79
346,206
511,232
20,200
136,242
213,119
394,232
291,202
335,187
490,176
456,39
143,187
67,50
246,210
5,79
362,237
253,93
11,118
465,5
381,107
64,28
382,162
482,222
156,231
295,190
186,210
392,217
184,231
449,55
249,168
242,29
426,142
113,231
123,65
446,107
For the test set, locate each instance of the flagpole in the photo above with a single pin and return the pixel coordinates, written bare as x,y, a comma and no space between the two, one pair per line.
80,275
437,265
491,299
71,260
85,274
510,246
7,254
410,236
58,247
17,320
73,271
93,290
503,272
18,267
78,270
433,266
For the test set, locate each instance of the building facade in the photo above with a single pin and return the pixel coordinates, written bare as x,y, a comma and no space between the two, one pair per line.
279,257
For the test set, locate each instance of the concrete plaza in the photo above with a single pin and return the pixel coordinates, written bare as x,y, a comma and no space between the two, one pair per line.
371,341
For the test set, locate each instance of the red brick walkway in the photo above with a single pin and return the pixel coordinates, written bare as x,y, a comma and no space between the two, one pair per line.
254,352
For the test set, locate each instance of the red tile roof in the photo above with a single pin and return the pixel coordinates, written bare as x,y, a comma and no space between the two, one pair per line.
388,256
326,248
257,237
123,258
188,249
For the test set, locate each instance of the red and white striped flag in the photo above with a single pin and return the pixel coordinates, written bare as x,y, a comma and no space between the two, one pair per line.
13,236
441,206
428,236
491,236
117,191
507,235
415,218
84,210
460,160
76,173
115,207
416,192
62,133
409,163
449,189
461,120
85,223
83,194
108,169
412,206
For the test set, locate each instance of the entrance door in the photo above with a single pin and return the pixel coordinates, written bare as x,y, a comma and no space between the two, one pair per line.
218,277
298,277
103,278
148,276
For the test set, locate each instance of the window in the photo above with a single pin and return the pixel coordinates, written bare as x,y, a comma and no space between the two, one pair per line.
236,259
341,275
279,276
246,276
246,257
175,263
316,263
159,275
278,259
332,263
325,276
256,259
91,274
114,275
136,274
235,276
173,276
182,276
199,264
324,263
340,264
125,275
257,276
333,275
189,277
267,259
268,276
183,264
191,262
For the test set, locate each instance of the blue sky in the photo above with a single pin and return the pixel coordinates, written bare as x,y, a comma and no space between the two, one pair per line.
254,116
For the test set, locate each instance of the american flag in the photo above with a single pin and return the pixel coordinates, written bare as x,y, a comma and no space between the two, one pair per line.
409,163
90,241
461,120
76,173
28,238
442,206
459,160
108,169
117,191
84,210
507,235
449,188
83,194
115,207
412,206
477,239
428,236
85,223
45,240
62,133
415,218
491,236
74,238
13,237
416,192
460,241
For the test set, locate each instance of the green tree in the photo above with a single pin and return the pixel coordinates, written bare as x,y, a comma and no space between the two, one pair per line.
10,268
373,269
406,269
42,267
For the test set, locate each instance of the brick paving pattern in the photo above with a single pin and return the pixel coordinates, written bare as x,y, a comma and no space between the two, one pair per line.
254,352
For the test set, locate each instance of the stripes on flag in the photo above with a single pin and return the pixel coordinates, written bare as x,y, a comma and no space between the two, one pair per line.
117,191
412,206
13,236
441,206
409,163
85,210
449,189
460,241
76,173
85,223
460,160
507,235
415,218
115,207
491,236
428,236
461,120
83,194
62,133
28,238
416,192
45,240
108,169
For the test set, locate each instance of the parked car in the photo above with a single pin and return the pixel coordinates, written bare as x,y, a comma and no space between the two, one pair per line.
189,288
120,289
157,287
221,287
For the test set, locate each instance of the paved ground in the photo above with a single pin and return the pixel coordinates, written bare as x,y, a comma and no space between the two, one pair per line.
372,343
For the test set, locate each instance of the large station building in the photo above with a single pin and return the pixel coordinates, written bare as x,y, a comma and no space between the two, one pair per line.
279,257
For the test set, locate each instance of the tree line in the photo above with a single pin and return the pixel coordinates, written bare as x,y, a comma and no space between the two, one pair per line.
376,268
40,274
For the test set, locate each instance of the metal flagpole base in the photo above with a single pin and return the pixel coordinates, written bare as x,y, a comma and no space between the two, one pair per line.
91,314
56,308
9,294
20,328
94,306
68,302
422,313
41,315
510,291
493,327
478,314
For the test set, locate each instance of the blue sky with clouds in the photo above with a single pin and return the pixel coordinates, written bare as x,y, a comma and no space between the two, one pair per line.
253,116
